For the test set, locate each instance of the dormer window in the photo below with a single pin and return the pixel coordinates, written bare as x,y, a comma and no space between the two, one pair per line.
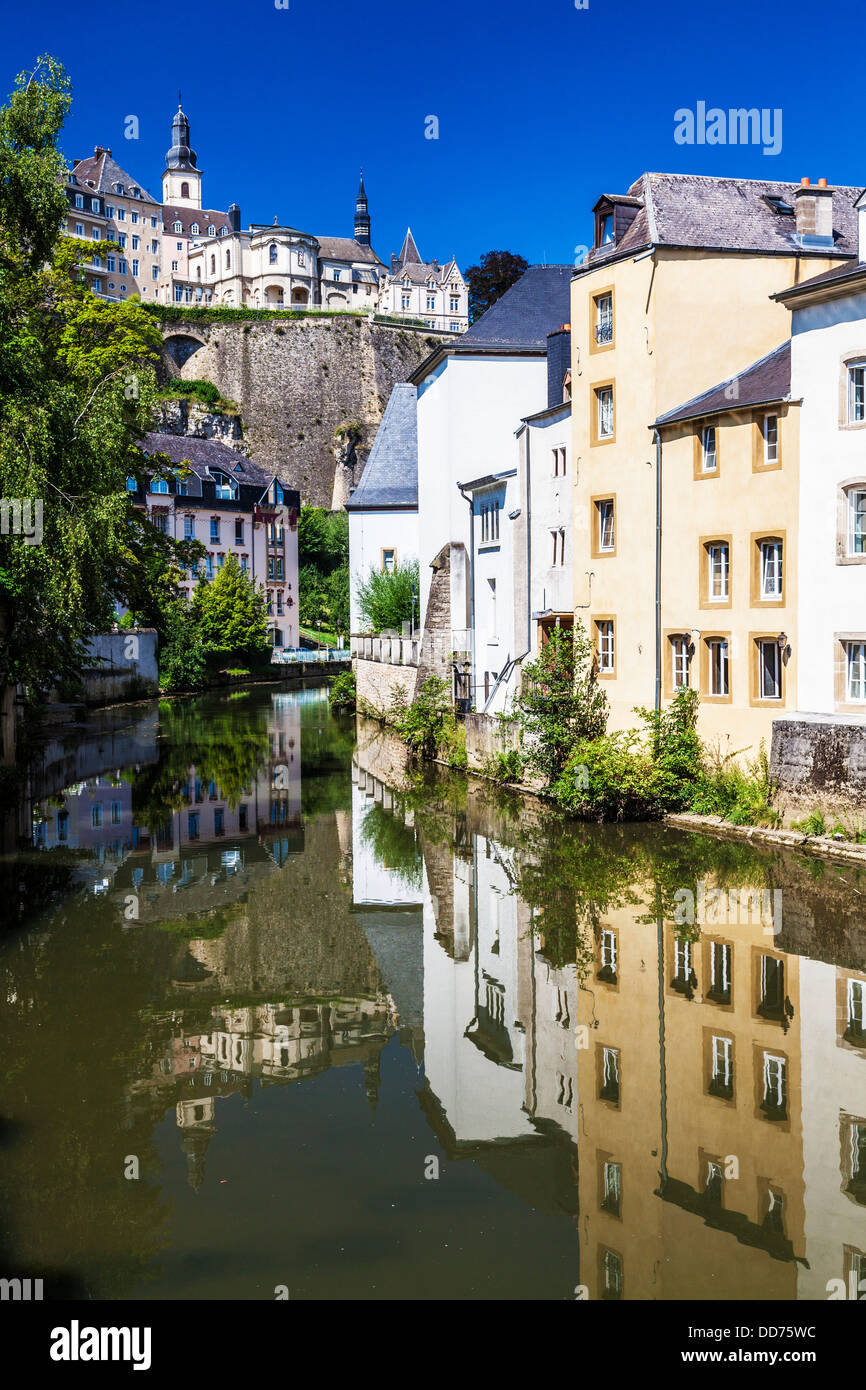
223,231
211,231
604,236
226,487
118,188
194,229
177,226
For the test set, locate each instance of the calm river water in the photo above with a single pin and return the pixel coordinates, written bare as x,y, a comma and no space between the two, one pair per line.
278,1014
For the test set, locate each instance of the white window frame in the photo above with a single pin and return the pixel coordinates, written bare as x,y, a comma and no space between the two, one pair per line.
856,393
604,319
775,1079
770,433
855,672
719,666
775,690
718,571
857,1004
606,636
709,449
723,1061
681,662
604,399
606,533
608,950
856,510
720,980
772,572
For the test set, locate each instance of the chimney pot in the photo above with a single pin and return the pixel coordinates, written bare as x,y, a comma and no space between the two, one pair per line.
804,183
822,183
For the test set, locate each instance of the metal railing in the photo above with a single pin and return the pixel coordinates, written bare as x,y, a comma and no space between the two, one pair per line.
287,656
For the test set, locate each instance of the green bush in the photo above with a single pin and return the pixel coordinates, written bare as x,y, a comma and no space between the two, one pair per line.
343,694
740,796
182,660
385,597
614,778
813,824
203,391
427,722
560,702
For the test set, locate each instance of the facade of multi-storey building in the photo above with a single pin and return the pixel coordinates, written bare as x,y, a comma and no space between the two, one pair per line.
180,252
210,493
673,299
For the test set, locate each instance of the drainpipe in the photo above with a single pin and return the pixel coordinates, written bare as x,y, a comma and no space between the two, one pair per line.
471,594
658,683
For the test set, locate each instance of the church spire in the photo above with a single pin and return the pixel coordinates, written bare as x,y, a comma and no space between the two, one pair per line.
362,215
180,156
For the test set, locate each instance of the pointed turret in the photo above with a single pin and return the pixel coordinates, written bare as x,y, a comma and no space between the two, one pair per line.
410,255
181,181
362,215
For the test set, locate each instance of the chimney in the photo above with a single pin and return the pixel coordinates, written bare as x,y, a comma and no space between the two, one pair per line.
558,362
860,205
234,215
814,213
101,149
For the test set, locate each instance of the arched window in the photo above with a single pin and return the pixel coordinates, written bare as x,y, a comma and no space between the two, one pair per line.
194,229
198,273
118,188
184,190
213,265
272,253
226,487
228,259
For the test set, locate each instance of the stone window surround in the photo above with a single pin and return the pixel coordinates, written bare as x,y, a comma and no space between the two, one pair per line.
842,490
855,355
841,704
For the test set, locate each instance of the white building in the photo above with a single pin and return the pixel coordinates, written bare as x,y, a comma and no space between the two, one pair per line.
472,396
426,290
828,372
383,509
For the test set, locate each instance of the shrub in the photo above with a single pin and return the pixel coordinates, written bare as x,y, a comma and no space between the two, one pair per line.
614,778
385,597
813,824
182,661
560,702
343,694
203,391
741,796
425,723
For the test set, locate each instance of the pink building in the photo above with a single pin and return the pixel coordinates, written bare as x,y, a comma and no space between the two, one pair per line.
215,495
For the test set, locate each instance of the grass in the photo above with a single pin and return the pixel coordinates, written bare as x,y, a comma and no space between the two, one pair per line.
326,637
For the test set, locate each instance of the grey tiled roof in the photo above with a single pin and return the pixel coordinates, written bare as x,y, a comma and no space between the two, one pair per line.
204,217
852,270
730,214
202,454
102,172
766,381
534,306
390,478
343,248
409,252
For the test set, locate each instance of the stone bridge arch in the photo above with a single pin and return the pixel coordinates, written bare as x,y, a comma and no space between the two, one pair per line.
178,347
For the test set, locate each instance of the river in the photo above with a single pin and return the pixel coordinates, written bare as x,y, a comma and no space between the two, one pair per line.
283,1017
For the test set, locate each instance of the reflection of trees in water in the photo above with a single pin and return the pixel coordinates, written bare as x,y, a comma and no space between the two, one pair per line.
72,1043
393,844
222,747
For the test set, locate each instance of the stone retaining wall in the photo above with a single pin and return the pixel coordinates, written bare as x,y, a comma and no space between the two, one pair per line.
377,682
820,760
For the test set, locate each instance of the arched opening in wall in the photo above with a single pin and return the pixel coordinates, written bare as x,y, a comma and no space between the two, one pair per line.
274,296
229,297
300,296
184,190
179,348
337,299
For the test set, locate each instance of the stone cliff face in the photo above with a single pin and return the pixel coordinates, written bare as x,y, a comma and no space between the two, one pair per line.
311,392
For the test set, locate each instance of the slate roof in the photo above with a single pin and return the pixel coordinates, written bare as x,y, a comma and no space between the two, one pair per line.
100,172
729,214
848,270
205,217
765,382
343,248
410,252
201,454
534,306
390,478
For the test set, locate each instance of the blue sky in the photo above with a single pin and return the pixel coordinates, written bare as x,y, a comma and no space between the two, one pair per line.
540,106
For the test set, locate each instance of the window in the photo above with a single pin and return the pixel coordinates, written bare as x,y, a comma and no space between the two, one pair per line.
272,253
131,485
564,1084
454,327
604,412
79,229
708,449
228,258
154,272
608,957
115,812
225,487
94,232
270,605
772,986
96,816
720,972
722,1068
684,978
558,539
192,824
177,227
208,566
855,1031
280,567
770,562
856,1162
856,393
389,561
121,240
160,521
713,1185
769,669
775,1087
218,820
405,301
431,302
611,1199
302,258
455,304
121,266
158,484
135,268
604,645
856,516
239,531
490,522
279,602
606,535
194,229
134,217
110,264
680,649
609,1075
244,563
214,528
718,571
135,242
79,200
121,215
770,432
174,267
604,320
718,673
855,672
604,229
189,528
97,286
109,210
559,461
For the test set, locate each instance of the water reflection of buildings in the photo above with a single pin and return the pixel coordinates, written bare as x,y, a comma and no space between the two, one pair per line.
272,1043
211,840
710,1093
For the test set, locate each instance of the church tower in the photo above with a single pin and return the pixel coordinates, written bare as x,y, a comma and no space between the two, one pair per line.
362,216
181,182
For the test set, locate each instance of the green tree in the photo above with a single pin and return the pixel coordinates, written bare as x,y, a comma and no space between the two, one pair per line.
231,613
76,386
560,701
495,273
385,597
